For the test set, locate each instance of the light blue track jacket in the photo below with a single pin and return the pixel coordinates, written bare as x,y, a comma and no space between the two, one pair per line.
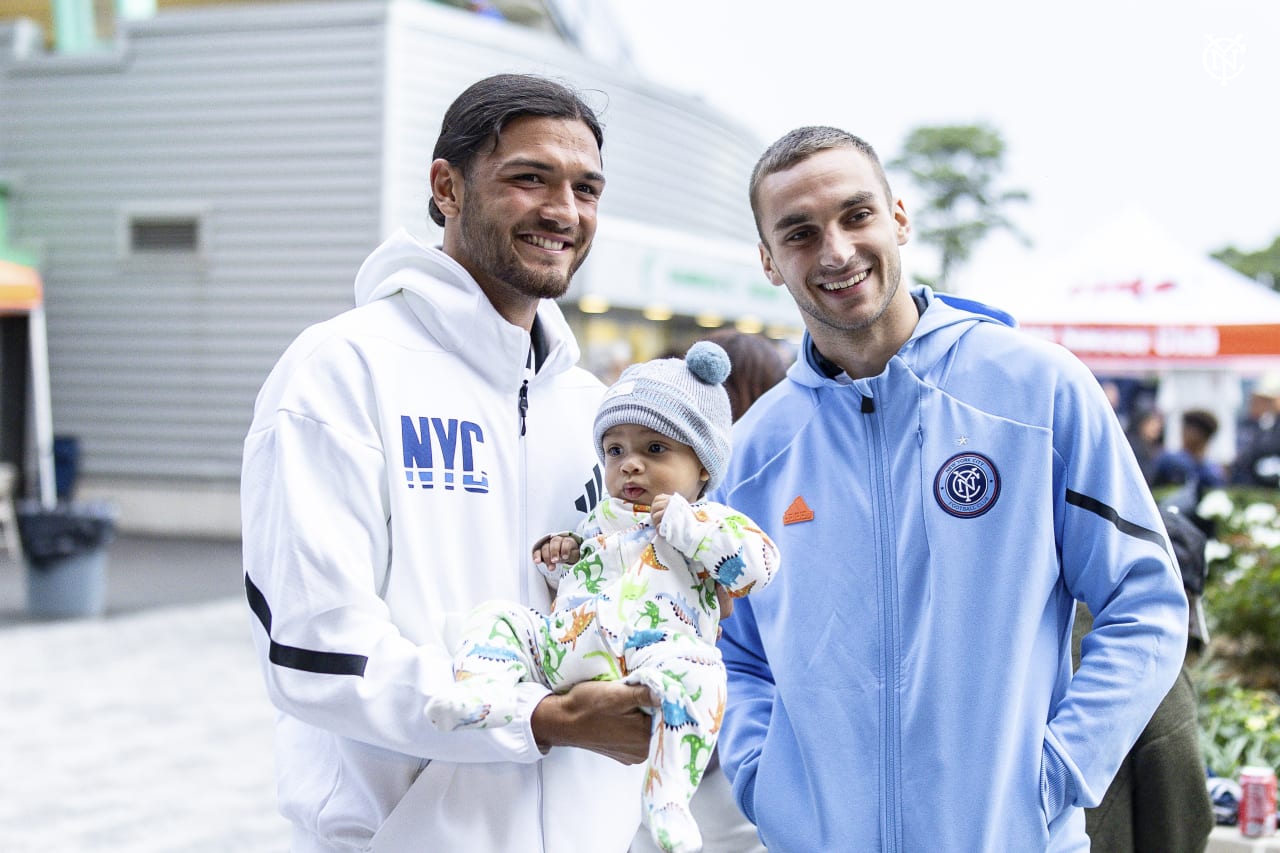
906,684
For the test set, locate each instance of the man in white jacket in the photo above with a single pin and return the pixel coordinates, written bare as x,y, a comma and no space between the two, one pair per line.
402,458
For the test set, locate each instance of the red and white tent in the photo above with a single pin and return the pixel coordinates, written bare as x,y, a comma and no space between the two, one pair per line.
1128,299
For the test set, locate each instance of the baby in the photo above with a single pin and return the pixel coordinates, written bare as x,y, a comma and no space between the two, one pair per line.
635,585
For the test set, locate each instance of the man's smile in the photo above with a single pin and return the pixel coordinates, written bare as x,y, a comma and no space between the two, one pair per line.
844,284
547,243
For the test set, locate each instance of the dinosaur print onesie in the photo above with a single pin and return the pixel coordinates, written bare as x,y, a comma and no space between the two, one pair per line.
639,605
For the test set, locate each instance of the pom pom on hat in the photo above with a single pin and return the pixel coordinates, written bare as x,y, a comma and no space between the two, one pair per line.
683,399
708,361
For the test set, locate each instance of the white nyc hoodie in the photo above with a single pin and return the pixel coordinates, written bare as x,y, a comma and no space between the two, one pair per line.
387,488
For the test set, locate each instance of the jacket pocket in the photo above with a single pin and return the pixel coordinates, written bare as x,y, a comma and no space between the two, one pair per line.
405,825
1056,789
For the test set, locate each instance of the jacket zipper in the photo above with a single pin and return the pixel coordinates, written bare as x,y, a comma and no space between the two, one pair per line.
522,411
522,405
891,826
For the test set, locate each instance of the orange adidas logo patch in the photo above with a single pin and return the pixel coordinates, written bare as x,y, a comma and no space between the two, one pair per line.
798,511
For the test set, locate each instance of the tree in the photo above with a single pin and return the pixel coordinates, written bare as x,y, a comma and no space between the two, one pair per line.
956,168
1262,265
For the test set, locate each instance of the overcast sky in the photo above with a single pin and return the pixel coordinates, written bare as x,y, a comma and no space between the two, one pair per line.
1169,106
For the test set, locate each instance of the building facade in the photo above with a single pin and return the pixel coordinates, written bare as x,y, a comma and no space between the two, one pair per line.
204,186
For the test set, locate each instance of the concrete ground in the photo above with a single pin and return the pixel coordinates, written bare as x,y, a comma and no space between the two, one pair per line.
146,729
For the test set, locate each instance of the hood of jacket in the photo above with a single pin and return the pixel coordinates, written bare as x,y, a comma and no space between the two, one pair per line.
455,311
943,321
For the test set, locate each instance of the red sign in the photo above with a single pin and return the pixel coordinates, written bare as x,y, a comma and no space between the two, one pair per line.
1162,342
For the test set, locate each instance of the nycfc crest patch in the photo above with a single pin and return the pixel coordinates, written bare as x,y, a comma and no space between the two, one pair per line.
967,485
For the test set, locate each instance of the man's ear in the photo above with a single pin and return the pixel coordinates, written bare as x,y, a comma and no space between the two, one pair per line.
904,222
446,188
766,261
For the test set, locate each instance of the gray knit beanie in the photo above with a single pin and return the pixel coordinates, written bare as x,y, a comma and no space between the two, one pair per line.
684,399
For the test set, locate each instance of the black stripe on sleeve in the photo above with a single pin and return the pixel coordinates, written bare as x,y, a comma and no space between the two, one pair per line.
1127,527
258,604
323,663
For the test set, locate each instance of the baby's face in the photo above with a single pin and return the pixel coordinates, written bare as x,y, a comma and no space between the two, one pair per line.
640,464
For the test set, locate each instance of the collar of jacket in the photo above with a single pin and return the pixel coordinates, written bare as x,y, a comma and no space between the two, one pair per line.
456,313
941,324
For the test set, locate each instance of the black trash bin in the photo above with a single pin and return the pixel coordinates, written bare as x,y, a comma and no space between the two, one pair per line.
66,554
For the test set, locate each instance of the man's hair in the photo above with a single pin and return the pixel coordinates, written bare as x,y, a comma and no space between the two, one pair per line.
477,117
801,144
1201,419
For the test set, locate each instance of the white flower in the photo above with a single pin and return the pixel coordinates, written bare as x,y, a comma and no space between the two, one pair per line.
1215,550
1267,537
1245,562
1215,504
1260,513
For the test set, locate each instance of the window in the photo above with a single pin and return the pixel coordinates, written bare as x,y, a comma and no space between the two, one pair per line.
176,230
150,234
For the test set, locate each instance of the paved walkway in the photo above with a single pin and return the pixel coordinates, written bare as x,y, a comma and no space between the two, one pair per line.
145,730
148,730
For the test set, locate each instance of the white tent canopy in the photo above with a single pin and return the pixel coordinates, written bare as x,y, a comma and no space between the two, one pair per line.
1127,298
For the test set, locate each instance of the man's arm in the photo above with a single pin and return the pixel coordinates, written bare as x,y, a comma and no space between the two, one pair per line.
751,696
1115,558
316,540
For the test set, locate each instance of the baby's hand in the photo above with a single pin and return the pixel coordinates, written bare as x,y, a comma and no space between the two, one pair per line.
658,508
557,549
725,599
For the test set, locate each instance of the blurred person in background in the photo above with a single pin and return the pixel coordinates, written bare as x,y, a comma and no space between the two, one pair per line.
384,446
1258,461
757,367
1115,397
1260,412
1190,465
1146,437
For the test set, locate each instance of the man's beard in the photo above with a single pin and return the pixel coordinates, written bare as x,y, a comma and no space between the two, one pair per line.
491,250
892,281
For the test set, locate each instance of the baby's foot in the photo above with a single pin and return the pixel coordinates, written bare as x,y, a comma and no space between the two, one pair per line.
674,830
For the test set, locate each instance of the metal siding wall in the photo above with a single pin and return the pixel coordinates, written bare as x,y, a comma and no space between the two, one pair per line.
275,124
266,123
677,164
671,160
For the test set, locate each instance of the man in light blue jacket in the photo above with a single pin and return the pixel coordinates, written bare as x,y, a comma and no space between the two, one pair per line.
943,488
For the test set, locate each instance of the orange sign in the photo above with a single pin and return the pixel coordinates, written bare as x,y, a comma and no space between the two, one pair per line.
19,287
1163,342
